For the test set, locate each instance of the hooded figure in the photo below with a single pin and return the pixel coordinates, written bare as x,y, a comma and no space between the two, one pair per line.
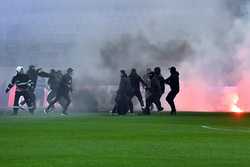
173,82
153,90
135,81
63,91
122,98
33,74
53,84
161,81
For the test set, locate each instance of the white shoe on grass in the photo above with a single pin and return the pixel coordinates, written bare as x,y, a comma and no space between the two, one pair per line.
45,111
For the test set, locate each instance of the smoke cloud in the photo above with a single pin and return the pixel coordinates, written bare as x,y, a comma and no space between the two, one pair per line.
208,41
136,51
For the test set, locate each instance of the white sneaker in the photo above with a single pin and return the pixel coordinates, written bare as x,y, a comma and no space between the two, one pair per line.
64,114
45,111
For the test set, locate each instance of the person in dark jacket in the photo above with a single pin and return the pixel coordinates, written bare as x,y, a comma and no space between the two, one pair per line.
53,83
54,79
23,86
147,81
135,81
153,90
122,98
173,82
63,91
161,80
59,75
33,74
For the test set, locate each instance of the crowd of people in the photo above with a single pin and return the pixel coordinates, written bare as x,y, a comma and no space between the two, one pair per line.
60,86
154,84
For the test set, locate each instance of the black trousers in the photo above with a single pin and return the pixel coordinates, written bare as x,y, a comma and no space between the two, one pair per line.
66,96
154,98
32,96
27,98
170,99
33,99
137,94
122,105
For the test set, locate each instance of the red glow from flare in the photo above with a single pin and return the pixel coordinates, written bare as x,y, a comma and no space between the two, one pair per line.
234,107
11,97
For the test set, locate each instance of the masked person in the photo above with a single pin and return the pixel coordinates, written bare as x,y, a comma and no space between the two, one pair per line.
153,90
23,86
147,81
173,82
161,80
63,91
122,98
33,74
52,84
135,81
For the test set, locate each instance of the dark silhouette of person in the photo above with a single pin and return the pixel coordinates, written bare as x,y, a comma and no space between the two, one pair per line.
53,84
173,82
33,74
59,75
147,81
23,85
63,91
122,98
153,89
54,79
135,81
161,80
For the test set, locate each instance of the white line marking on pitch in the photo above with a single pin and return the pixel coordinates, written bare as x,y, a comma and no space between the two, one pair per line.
225,129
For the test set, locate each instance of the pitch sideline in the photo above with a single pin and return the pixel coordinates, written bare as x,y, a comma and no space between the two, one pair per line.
225,129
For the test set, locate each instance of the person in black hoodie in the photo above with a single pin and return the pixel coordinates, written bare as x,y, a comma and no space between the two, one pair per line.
53,84
122,98
153,90
63,91
161,80
173,82
33,74
135,81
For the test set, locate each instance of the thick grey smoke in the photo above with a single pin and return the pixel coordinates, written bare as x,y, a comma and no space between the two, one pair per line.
76,32
97,38
129,51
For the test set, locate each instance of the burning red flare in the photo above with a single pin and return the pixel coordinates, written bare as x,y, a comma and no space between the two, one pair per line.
234,107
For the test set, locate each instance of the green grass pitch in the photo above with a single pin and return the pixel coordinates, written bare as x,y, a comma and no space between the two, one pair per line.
101,140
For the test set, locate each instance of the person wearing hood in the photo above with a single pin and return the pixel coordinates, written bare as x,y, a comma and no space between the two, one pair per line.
173,82
135,81
64,89
33,74
122,98
147,81
153,90
161,80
